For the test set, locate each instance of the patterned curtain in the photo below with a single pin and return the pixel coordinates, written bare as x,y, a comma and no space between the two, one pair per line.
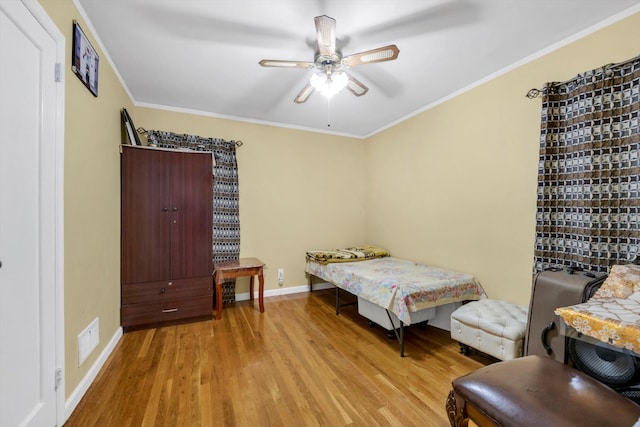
588,213
226,206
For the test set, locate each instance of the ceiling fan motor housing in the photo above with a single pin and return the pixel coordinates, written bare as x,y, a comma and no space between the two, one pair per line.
334,61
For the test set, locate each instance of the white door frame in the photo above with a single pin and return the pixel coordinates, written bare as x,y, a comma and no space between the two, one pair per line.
51,28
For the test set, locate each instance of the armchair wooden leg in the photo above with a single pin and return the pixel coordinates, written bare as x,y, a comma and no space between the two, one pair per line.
456,415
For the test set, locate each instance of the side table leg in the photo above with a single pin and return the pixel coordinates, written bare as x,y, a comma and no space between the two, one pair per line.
251,289
260,291
218,296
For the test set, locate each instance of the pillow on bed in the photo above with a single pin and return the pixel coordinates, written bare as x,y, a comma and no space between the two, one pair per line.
622,281
358,253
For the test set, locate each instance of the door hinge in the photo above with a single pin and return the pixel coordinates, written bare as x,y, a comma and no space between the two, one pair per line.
58,72
58,378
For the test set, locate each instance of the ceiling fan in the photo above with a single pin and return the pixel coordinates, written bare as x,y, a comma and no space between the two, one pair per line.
331,77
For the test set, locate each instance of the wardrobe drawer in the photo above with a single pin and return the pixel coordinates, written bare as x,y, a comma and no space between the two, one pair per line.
137,293
170,310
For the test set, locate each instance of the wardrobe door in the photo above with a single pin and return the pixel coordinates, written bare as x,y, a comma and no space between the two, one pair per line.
191,215
145,239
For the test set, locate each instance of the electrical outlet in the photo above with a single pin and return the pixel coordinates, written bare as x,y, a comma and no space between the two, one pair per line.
281,276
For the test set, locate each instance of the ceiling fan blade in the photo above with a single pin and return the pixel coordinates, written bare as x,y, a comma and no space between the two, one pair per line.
326,31
285,64
356,87
304,94
381,54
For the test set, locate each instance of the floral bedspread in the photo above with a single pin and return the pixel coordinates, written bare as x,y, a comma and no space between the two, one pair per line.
612,315
398,285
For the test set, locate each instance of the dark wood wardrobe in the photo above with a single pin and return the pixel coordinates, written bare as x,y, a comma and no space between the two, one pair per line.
166,240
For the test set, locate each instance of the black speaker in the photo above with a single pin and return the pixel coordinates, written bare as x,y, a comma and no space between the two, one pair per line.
616,367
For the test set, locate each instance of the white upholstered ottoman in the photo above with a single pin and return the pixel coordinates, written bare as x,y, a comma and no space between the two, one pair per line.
492,326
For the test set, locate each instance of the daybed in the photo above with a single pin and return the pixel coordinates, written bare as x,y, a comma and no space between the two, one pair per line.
392,292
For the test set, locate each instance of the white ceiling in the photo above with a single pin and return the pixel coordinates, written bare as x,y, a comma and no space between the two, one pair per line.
202,55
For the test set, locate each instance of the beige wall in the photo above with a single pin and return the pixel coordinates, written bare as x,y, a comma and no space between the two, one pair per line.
456,185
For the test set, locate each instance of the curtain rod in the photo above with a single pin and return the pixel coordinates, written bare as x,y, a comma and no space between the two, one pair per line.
143,131
534,93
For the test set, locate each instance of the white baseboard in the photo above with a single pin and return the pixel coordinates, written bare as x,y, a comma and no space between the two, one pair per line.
323,285
81,389
284,291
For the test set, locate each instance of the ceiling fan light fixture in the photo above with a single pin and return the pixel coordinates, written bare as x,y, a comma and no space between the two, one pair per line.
329,62
329,84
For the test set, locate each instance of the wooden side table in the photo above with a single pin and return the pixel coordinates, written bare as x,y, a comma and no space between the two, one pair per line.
242,267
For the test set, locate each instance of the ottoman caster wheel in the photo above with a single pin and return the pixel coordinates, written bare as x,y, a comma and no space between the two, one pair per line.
464,349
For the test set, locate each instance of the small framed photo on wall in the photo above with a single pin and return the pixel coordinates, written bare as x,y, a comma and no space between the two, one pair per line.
84,60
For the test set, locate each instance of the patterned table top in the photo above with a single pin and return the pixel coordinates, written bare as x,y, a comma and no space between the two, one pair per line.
612,315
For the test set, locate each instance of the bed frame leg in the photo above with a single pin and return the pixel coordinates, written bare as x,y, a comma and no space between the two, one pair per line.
399,335
338,305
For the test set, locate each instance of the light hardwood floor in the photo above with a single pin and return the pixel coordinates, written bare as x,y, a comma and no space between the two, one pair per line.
297,364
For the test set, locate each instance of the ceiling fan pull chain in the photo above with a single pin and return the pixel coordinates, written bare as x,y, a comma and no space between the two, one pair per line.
328,112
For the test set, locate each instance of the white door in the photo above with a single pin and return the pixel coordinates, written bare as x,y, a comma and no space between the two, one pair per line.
29,219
